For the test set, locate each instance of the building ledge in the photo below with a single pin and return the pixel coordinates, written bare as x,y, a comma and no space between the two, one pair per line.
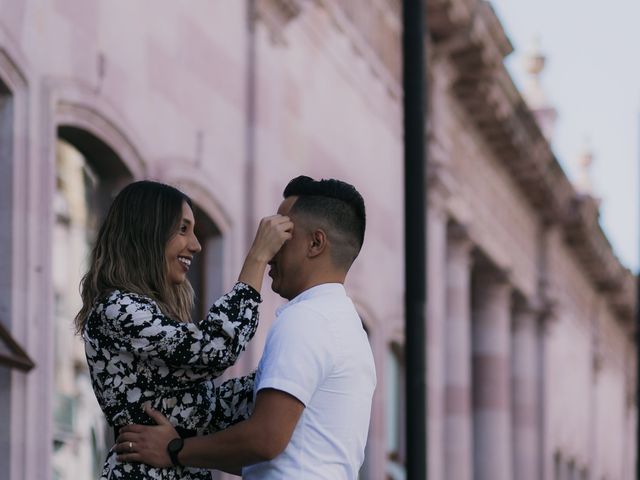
12,355
469,36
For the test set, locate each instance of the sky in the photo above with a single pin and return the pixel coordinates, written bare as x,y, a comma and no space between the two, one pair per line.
592,78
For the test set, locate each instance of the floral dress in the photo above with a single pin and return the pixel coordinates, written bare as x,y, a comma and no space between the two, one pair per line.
136,354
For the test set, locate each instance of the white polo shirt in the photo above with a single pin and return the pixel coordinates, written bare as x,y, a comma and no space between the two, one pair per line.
318,351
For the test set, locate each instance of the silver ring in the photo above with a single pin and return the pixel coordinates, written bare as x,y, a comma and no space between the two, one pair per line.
131,446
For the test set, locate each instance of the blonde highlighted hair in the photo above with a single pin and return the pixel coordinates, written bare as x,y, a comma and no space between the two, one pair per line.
129,251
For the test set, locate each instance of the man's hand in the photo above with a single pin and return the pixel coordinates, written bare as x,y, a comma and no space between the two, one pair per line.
146,444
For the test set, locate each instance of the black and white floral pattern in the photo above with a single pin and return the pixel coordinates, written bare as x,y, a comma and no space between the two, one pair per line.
136,354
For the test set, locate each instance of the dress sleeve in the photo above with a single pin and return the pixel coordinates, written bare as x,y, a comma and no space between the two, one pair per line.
134,325
234,402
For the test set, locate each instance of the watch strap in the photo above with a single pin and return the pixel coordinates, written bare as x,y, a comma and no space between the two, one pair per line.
173,449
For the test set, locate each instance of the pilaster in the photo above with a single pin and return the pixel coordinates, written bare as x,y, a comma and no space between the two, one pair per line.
436,309
491,375
458,432
525,394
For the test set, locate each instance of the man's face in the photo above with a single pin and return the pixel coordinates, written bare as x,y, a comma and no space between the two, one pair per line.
288,265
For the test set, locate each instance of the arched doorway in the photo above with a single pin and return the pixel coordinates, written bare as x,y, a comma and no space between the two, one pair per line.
88,175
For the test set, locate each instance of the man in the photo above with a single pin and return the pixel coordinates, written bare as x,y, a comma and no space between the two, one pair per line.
315,380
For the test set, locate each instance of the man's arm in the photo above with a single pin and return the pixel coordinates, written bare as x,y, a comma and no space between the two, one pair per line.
260,438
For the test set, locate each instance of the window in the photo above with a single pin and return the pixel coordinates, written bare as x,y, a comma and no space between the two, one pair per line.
367,470
395,413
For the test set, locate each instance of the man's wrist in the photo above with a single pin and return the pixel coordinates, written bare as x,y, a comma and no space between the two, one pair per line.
173,449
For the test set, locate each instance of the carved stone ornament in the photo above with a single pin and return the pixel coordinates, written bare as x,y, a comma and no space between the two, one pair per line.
276,14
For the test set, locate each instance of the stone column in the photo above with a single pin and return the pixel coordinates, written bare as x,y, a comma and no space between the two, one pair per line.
525,394
491,376
458,433
436,306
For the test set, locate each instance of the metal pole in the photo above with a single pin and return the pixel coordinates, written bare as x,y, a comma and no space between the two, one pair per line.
638,326
638,370
414,86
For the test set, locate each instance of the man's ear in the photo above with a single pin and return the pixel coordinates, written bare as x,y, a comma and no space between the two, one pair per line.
318,243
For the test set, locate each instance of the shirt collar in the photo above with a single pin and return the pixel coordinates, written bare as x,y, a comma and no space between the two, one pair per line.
314,292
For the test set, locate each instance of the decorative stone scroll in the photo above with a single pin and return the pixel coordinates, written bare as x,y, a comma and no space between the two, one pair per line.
276,14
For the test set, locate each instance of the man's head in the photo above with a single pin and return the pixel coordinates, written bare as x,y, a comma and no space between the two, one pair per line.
329,224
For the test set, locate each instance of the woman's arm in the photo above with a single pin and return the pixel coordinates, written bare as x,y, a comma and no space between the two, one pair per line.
132,322
234,402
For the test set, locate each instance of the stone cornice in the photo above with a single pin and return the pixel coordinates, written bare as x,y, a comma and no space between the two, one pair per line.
592,248
445,17
468,35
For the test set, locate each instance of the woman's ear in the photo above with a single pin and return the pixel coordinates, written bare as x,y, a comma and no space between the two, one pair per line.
318,243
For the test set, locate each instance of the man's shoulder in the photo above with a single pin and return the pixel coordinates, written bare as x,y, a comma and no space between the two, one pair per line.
301,313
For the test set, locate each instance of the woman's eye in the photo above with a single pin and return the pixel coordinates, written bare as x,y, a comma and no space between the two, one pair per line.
183,229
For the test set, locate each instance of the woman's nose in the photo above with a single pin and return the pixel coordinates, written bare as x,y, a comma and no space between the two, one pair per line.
195,246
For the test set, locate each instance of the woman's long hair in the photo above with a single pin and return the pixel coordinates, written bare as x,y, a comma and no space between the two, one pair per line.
129,253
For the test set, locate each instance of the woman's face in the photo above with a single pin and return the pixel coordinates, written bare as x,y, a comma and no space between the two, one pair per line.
181,247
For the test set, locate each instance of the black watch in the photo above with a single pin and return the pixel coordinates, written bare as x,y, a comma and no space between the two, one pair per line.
173,449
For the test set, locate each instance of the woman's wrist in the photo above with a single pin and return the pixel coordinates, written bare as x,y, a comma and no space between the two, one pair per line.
252,271
257,256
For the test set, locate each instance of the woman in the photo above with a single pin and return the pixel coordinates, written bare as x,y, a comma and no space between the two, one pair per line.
140,343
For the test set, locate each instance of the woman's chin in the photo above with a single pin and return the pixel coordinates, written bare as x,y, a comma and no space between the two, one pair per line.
178,279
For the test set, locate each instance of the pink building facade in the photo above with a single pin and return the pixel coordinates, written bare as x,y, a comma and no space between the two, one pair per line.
530,345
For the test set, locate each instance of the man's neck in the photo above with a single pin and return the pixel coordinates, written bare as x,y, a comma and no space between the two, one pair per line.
321,278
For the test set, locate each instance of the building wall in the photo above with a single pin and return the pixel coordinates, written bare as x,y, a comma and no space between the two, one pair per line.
229,100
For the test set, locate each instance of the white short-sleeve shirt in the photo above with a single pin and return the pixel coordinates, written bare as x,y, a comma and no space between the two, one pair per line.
318,351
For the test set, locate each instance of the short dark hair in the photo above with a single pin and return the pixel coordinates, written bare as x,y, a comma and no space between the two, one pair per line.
340,209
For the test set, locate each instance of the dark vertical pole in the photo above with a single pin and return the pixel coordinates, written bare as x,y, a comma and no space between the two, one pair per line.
638,320
413,69
638,369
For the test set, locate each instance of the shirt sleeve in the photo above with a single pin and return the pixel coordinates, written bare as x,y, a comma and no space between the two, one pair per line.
133,324
297,355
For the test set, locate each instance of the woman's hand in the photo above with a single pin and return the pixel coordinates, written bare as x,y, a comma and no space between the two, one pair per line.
146,444
272,232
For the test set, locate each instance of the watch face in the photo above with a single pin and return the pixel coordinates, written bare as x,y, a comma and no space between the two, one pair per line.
173,448
175,445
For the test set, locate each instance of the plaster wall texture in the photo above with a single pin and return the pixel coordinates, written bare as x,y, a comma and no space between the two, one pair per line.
190,96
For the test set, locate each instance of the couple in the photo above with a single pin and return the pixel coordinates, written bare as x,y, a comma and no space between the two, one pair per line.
303,414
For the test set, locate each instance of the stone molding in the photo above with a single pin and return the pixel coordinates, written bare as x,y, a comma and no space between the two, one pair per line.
459,235
486,269
15,356
447,16
11,74
87,117
183,172
276,15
